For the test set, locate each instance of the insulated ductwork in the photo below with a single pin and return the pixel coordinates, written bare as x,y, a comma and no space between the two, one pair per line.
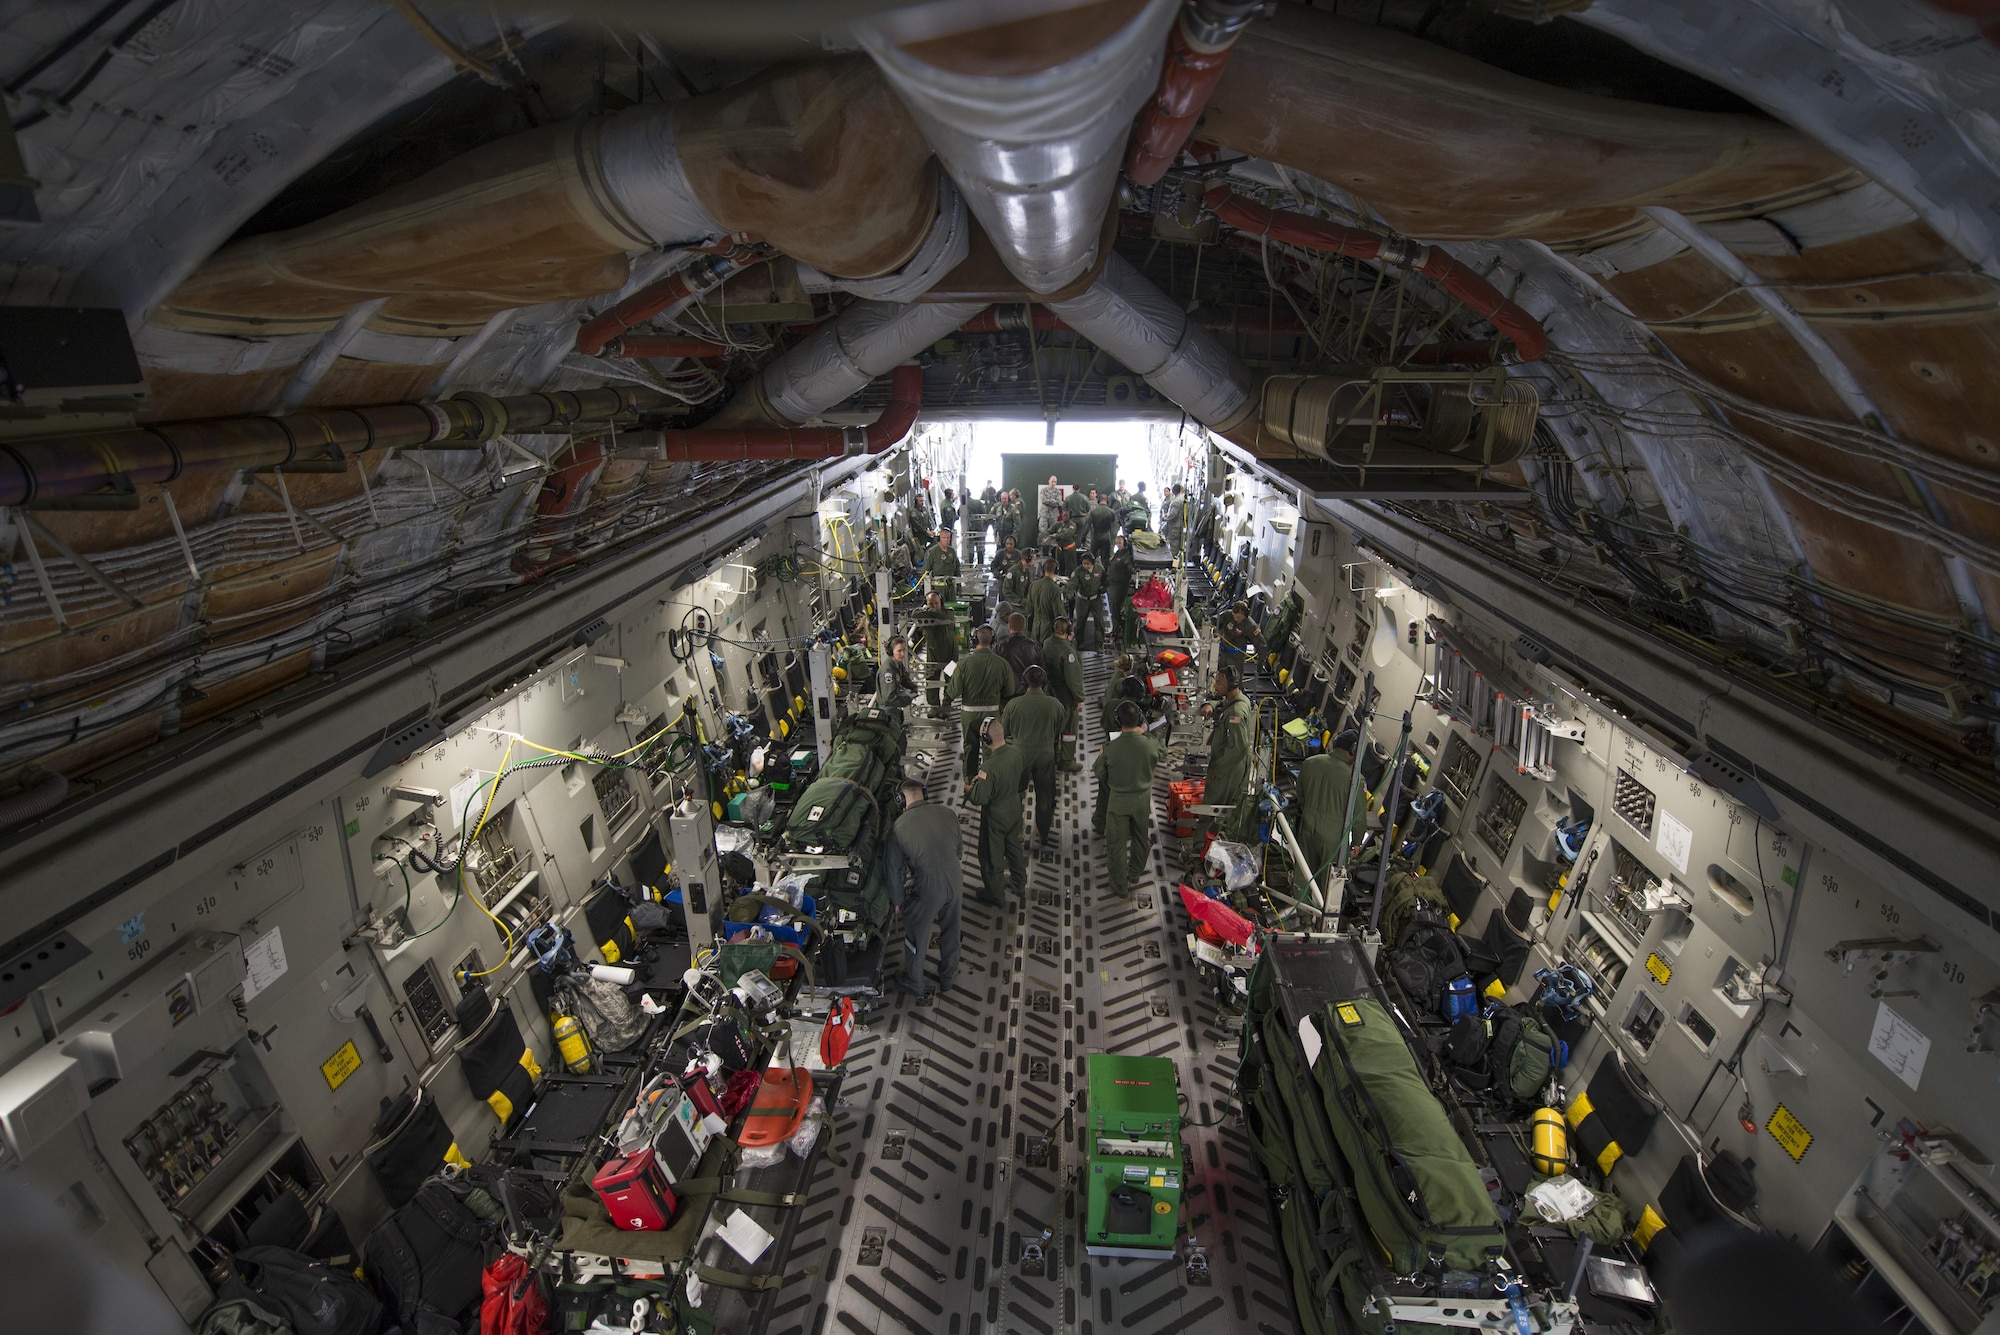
1130,319
65,467
1030,118
906,399
821,161
835,360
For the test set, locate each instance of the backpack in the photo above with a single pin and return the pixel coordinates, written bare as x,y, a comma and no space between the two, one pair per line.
1404,895
1466,1050
1426,957
1523,1053
305,1296
427,1258
240,1316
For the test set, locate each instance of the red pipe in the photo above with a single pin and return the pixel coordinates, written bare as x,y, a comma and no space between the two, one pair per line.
660,345
1478,296
1294,229
1188,77
906,399
654,298
1484,300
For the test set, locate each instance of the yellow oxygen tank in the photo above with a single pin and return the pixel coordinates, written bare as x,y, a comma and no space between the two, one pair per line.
1550,1153
574,1044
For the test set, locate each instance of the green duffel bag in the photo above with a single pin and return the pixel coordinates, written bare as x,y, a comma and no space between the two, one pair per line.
1421,1195
1405,893
878,722
853,758
1288,1101
834,815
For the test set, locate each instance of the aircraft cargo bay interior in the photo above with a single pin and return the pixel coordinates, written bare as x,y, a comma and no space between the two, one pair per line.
1000,667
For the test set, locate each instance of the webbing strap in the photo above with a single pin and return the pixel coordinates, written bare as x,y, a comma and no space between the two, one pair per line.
719,1187
748,1283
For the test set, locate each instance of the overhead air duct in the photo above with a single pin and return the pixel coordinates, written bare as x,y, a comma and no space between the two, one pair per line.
835,360
906,398
820,161
1132,320
67,467
1030,118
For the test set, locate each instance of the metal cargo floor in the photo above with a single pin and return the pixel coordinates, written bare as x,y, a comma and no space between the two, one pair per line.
920,1232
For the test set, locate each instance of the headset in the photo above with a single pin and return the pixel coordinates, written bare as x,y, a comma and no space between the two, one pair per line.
1571,833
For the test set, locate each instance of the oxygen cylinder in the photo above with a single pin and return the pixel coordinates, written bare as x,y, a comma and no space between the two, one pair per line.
573,1044
1550,1153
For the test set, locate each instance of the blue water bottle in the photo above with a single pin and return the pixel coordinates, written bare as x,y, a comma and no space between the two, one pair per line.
1459,999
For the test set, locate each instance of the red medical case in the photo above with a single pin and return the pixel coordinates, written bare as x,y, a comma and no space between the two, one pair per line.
634,1188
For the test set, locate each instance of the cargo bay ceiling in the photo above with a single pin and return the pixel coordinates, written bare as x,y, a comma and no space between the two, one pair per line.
1685,308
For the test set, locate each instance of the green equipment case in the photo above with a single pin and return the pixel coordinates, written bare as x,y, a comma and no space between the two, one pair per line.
1132,1202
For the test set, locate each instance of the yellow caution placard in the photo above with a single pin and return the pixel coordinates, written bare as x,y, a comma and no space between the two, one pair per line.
1348,1012
341,1064
1789,1132
1659,968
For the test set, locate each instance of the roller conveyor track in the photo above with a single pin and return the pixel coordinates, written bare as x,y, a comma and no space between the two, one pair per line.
921,1231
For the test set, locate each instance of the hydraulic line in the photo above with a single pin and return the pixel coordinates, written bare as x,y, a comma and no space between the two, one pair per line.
1197,53
659,298
1298,229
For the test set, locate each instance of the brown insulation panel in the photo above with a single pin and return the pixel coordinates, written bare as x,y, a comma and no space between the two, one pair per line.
350,381
1444,147
36,656
179,396
821,160
273,596
220,696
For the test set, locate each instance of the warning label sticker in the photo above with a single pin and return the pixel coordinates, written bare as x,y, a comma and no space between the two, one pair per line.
1348,1013
1789,1132
341,1064
1659,968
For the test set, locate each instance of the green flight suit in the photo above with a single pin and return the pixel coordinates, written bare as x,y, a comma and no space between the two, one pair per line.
996,790
1065,669
1063,536
1086,589
1034,722
1044,606
1114,695
1323,783
1229,753
941,565
940,630
1103,528
920,864
1078,506
1119,577
1006,523
981,684
1239,641
1014,588
1124,772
